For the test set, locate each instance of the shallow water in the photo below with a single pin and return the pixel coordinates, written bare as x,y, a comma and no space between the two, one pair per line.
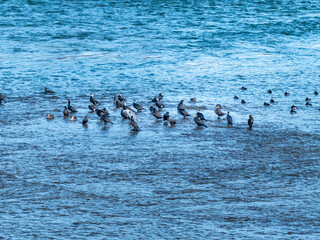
60,180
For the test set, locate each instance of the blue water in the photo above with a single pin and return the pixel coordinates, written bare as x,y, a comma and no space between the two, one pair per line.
60,180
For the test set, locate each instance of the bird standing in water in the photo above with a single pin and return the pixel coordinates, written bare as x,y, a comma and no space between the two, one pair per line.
65,112
72,109
198,121
134,124
218,111
183,112
93,100
137,106
200,115
250,121
229,119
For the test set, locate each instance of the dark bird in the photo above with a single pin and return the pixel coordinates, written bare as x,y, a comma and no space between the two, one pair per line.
183,112
243,101
72,109
269,91
229,119
50,116
73,118
159,104
48,91
137,106
2,98
157,98
93,107
308,99
180,105
121,98
271,100
65,111
198,121
124,113
152,109
166,116
235,97
105,118
93,100
292,111
171,121
103,111
266,104
250,121
193,99
156,113
286,94
316,93
218,110
243,88
85,120
117,103
308,104
134,124
200,115
294,107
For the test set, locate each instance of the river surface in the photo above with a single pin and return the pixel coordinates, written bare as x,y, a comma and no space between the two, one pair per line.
62,180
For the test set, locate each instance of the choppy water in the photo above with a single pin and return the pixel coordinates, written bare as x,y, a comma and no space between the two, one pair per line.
60,180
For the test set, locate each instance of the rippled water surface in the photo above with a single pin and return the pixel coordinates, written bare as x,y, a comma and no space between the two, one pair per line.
61,180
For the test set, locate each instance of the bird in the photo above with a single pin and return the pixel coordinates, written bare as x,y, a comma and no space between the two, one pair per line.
50,116
105,118
198,121
121,98
152,109
229,119
271,100
269,91
72,109
166,116
134,124
124,114
2,98
235,97
93,100
243,101
286,94
137,106
85,120
103,111
292,111
157,98
308,104
218,111
308,99
200,115
193,99
48,91
65,111
159,104
117,103
250,121
93,107
316,93
243,88
294,107
183,112
180,105
156,113
266,104
73,118
171,121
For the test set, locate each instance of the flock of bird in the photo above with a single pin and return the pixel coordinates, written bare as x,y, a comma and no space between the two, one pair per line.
128,113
